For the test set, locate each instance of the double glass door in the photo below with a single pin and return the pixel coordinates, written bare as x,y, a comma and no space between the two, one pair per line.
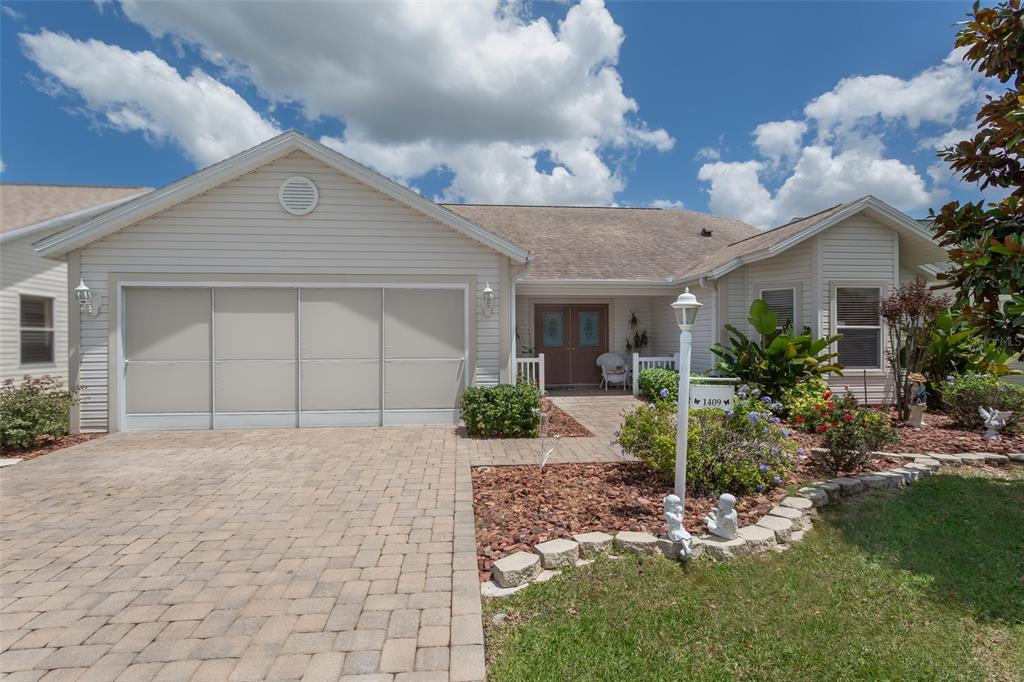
571,337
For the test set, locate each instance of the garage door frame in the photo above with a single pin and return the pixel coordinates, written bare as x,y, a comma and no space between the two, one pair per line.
467,285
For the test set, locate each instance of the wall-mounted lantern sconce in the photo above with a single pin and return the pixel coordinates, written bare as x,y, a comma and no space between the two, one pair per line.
488,297
83,294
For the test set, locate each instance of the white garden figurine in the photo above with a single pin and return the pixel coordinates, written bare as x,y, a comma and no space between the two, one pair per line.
676,531
723,521
995,420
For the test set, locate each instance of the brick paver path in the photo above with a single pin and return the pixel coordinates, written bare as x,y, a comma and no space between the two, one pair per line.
312,554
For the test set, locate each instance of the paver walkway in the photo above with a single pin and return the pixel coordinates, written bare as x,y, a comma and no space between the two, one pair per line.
307,554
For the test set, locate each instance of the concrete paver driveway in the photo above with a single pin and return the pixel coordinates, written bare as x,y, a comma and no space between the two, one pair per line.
243,555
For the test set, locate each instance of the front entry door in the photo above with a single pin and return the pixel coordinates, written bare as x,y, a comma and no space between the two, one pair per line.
571,337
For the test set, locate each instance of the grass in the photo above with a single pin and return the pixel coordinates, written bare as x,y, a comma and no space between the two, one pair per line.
921,584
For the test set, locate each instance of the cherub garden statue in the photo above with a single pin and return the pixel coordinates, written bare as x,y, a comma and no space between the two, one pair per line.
995,420
676,531
722,521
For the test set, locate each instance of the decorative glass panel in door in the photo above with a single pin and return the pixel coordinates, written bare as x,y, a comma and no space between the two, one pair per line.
554,328
590,328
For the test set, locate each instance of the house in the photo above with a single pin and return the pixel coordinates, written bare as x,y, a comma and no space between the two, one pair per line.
34,290
290,286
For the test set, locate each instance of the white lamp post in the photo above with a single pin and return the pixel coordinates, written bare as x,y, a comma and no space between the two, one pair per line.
685,308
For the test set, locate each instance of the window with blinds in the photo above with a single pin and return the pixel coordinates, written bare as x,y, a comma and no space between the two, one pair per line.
783,304
859,321
37,346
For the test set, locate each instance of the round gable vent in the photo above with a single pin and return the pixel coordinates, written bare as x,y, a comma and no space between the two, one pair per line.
298,195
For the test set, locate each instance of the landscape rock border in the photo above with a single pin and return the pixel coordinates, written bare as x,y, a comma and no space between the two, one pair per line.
783,525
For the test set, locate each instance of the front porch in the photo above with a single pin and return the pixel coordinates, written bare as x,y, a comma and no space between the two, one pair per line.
562,327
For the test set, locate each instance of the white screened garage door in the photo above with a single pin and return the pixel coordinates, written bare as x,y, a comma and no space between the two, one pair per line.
229,357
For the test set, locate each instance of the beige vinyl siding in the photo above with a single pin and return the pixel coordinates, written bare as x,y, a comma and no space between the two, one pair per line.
240,229
790,269
24,272
665,331
859,251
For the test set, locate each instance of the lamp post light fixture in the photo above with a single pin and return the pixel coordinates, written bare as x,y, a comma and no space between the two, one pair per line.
83,294
488,299
686,308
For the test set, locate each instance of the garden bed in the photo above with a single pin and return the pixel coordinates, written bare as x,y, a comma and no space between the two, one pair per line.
939,435
48,444
561,423
520,506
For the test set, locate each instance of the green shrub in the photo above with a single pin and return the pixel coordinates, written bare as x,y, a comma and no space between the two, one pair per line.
503,411
963,395
654,381
801,400
734,452
37,407
780,361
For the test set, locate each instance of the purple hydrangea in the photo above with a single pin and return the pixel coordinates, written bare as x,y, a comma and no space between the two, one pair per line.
786,433
753,417
663,393
762,467
755,392
758,487
777,480
776,406
766,400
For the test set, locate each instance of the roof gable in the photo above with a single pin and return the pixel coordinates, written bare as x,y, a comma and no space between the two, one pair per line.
245,162
777,240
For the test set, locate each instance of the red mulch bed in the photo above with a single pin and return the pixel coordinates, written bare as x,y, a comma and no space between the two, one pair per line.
517,507
940,435
48,444
561,424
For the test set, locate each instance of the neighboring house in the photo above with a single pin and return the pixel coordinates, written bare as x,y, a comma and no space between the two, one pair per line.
33,289
291,286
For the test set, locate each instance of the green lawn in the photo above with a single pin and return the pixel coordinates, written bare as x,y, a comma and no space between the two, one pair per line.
921,584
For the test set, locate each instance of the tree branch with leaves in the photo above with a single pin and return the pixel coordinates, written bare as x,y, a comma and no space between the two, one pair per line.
985,241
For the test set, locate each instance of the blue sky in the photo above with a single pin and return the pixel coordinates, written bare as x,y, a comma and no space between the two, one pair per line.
629,103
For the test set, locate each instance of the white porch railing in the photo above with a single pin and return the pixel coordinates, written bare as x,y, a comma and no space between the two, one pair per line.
531,371
641,363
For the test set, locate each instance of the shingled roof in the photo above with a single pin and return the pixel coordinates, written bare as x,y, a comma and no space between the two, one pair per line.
762,240
569,242
22,205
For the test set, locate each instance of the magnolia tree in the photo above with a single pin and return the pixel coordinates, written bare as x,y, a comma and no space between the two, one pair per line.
984,240
910,313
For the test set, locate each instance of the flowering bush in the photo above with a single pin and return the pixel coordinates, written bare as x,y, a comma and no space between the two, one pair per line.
851,433
502,411
37,407
802,399
657,383
964,394
737,451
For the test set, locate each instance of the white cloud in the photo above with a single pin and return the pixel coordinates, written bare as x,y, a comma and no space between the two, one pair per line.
936,95
780,140
476,88
667,203
947,139
138,91
708,154
848,158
